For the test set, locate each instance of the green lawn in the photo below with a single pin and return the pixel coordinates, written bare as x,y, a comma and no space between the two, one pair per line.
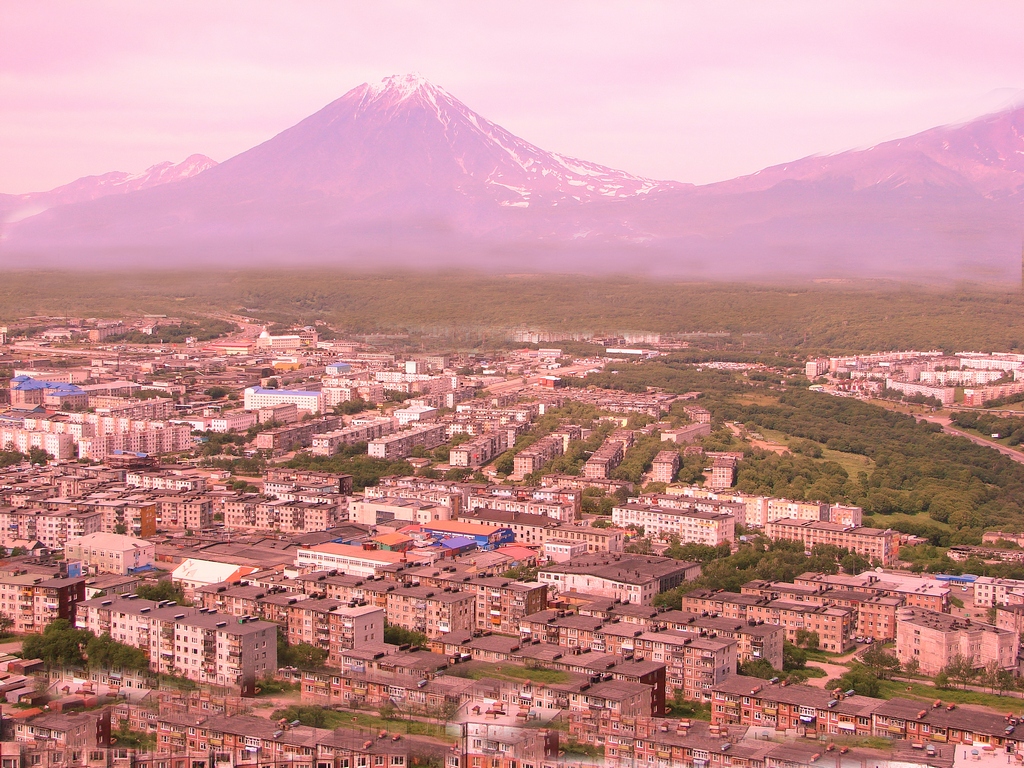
898,688
512,671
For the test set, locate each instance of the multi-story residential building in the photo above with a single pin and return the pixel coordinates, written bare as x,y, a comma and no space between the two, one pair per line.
502,604
665,466
914,591
562,510
876,614
33,602
723,472
174,480
110,553
605,459
328,443
873,543
400,444
232,653
384,510
142,624
754,641
562,628
431,611
55,529
295,516
834,626
532,458
184,511
306,401
61,446
694,664
990,591
629,578
934,639
689,525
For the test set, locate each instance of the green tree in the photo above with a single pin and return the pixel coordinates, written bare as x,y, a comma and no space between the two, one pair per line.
39,456
164,589
960,670
793,658
60,645
400,636
882,664
859,678
807,639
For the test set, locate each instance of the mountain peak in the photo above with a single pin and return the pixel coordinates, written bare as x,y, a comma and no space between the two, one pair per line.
402,86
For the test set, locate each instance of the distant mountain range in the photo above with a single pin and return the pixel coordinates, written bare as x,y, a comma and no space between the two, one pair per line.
401,173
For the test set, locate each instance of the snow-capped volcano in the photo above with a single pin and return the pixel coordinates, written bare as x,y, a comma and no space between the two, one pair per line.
405,135
402,173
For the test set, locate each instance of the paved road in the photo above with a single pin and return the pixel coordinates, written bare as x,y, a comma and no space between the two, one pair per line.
943,421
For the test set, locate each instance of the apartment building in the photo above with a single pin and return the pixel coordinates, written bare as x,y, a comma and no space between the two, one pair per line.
560,628
605,459
166,481
150,437
990,591
723,472
184,512
689,525
328,443
834,626
295,516
388,510
135,515
934,639
233,653
914,591
429,610
532,458
873,543
142,624
55,529
256,398
629,578
665,466
110,553
60,446
32,602
500,603
754,640
694,664
562,510
400,444
332,626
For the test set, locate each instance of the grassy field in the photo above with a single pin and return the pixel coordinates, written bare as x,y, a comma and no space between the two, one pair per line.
466,308
899,689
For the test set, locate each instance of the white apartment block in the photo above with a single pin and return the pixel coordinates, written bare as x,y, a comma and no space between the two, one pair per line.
60,446
690,525
306,401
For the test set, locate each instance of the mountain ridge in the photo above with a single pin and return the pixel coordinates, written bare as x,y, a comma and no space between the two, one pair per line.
403,173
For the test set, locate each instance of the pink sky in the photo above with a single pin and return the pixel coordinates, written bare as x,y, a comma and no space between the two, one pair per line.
692,91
